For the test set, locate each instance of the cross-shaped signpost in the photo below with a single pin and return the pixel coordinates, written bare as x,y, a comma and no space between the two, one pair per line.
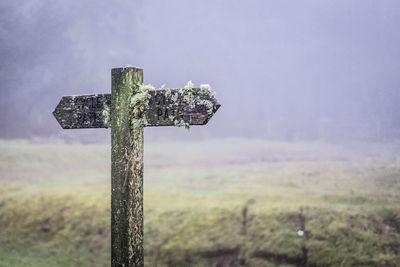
130,107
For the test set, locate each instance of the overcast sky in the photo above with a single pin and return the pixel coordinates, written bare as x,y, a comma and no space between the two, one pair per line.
289,69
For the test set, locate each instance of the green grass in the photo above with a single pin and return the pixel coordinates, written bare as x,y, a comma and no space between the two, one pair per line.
217,202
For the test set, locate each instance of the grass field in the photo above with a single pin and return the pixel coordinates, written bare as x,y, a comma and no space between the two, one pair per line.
226,202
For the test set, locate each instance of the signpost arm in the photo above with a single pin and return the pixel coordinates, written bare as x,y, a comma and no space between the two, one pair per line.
126,171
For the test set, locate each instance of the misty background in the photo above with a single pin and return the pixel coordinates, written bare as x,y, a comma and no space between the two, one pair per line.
285,70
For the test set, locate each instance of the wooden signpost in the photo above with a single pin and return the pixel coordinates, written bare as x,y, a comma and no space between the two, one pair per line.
128,109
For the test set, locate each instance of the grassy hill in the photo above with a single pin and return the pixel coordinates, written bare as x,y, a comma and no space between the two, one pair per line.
227,202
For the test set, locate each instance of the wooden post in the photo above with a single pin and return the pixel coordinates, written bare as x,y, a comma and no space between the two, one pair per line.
126,171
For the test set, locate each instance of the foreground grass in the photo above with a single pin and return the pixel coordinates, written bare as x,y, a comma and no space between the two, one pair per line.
295,206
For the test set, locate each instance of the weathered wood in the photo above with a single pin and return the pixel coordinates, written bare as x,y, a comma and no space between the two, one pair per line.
165,109
83,111
126,171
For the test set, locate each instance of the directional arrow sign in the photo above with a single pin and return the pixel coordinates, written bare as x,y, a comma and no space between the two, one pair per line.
166,108
83,111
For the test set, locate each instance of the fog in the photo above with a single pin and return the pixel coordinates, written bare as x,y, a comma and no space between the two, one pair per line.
284,70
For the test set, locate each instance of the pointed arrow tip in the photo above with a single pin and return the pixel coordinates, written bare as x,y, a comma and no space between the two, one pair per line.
216,107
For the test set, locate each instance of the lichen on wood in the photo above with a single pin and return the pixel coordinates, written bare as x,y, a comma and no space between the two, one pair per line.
139,103
205,87
106,117
181,107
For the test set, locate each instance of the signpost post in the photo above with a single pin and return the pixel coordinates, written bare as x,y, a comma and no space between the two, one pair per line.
128,109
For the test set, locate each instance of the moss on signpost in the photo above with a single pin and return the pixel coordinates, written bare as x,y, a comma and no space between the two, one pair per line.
138,104
187,95
127,166
106,117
